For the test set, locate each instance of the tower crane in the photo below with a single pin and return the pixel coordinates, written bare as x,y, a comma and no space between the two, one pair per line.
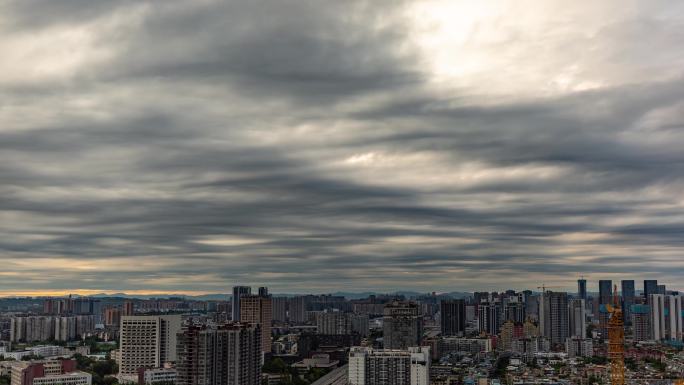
616,341
544,287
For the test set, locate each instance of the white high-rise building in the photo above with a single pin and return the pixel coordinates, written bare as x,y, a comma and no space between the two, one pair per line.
368,366
147,342
666,317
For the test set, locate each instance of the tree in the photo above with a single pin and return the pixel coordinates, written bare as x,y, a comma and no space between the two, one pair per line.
276,365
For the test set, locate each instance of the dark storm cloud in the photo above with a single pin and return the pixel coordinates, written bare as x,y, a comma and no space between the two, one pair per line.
306,146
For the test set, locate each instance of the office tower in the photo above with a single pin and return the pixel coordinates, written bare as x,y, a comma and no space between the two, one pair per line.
650,287
297,307
555,317
605,291
263,291
147,341
127,308
369,366
662,289
577,318
489,318
666,317
279,309
641,324
257,309
402,325
582,289
227,354
238,292
605,298
628,299
452,317
48,372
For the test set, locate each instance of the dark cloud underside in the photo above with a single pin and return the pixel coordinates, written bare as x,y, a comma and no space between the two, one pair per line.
315,146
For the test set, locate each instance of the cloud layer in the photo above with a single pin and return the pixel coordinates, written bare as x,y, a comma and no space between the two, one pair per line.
315,146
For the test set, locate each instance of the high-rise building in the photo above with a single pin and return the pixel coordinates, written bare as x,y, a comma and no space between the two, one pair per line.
605,292
32,328
65,328
112,316
227,354
628,299
238,292
666,317
662,289
641,324
509,332
532,307
333,323
360,324
279,309
582,288
555,317
297,307
577,318
127,308
402,325
369,366
256,309
514,309
605,298
650,287
489,317
579,347
147,342
453,317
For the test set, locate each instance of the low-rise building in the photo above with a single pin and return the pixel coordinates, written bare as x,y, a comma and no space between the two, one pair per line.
49,372
150,376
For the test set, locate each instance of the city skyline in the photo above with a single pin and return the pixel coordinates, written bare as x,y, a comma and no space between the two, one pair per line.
188,147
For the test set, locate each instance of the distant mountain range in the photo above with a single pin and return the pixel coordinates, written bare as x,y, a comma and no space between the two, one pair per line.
223,297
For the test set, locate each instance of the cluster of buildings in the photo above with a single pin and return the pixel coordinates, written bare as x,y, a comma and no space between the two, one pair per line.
50,328
47,372
254,338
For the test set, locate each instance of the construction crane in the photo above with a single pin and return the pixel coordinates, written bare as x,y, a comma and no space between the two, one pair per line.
616,341
544,287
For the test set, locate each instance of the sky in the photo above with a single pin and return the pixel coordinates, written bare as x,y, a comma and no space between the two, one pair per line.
314,146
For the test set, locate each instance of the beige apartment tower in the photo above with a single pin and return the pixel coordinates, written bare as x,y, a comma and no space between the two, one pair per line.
147,342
